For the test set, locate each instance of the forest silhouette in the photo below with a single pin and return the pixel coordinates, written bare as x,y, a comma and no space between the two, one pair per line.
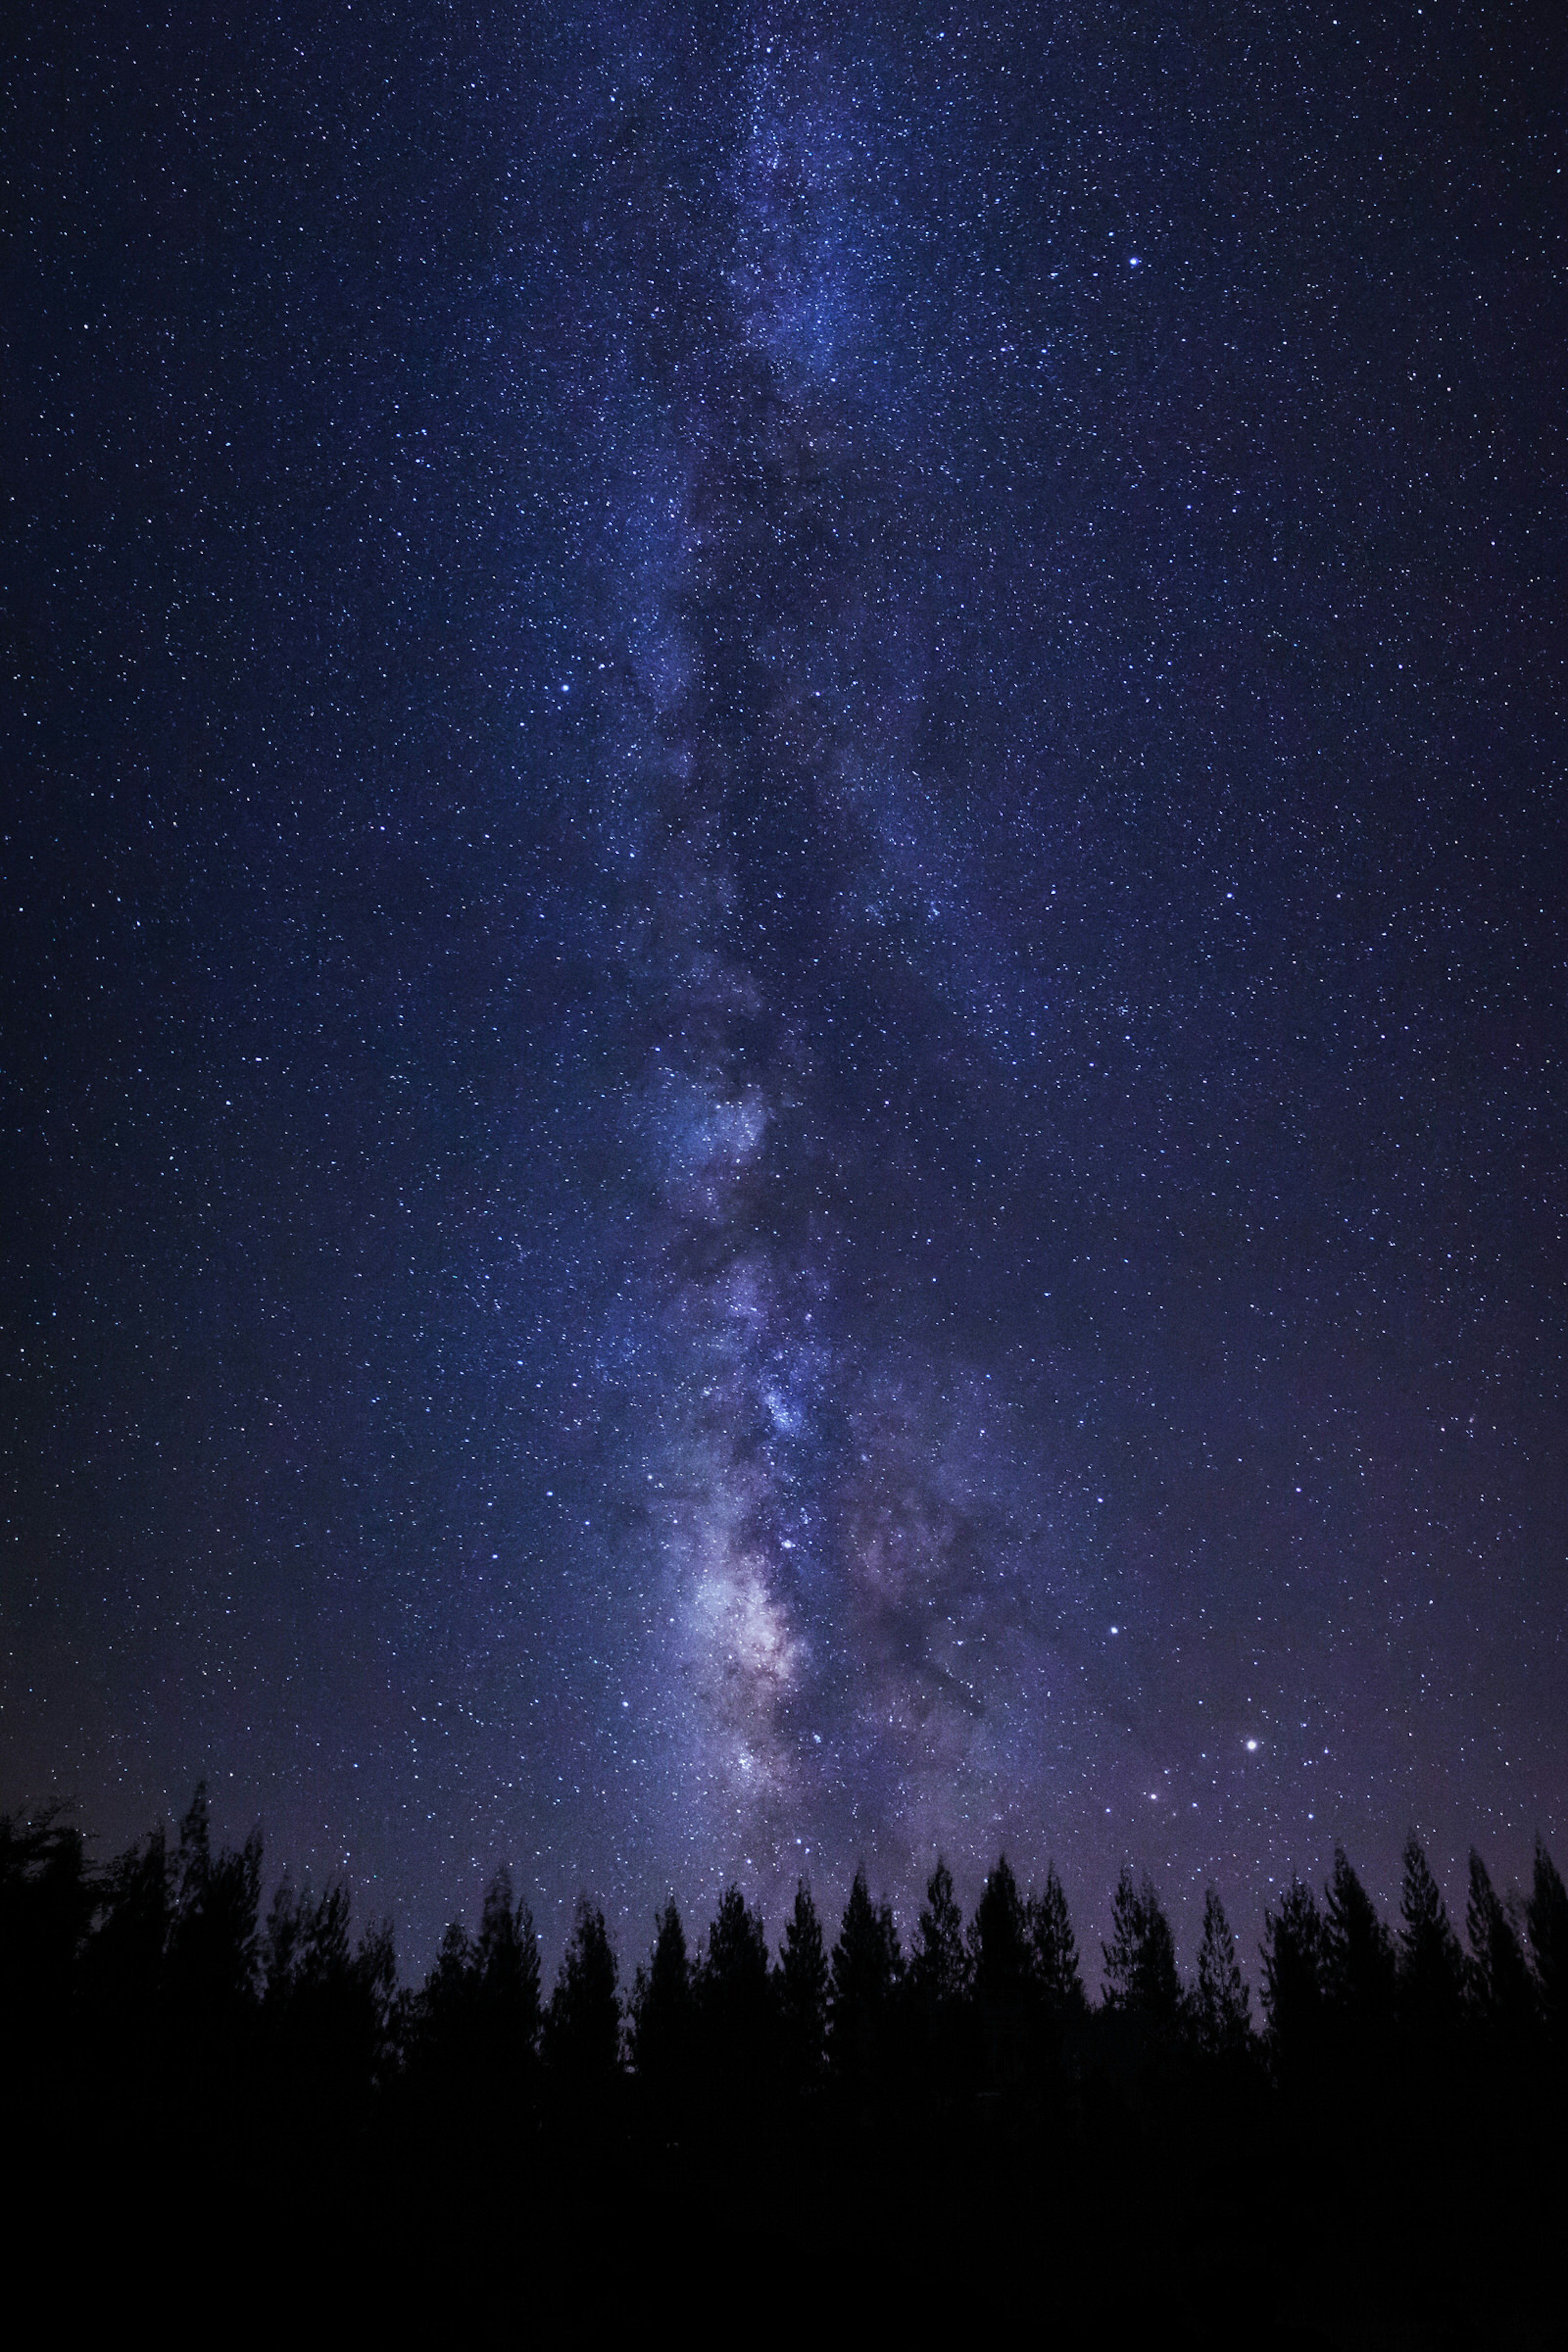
1375,2155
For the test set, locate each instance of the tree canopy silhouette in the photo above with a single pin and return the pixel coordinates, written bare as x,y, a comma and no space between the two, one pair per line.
999,1941
1431,1964
802,1982
940,1965
735,1998
1052,1951
661,2011
1141,1974
1546,1916
151,2015
1502,1990
1220,2001
1359,1973
1293,1974
864,1975
582,2036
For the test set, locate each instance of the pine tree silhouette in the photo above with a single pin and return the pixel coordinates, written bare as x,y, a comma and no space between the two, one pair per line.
940,1961
864,1974
1220,1999
122,1964
801,1981
1431,1966
582,2036
1546,1918
662,2012
734,1999
1141,1974
1053,1950
942,2046
1359,1972
1293,1982
999,1941
1502,1990
507,2010
441,2017
149,2022
46,1903
326,2008
1002,1983
211,2003
374,2026
213,1947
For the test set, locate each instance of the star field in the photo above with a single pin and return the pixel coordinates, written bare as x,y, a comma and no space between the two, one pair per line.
784,945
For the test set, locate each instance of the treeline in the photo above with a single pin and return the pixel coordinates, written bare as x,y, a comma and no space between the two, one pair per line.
922,2123
164,1964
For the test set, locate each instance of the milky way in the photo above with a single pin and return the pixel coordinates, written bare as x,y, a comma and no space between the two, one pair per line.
812,1555
787,991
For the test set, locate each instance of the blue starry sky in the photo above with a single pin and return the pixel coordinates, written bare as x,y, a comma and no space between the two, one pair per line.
784,943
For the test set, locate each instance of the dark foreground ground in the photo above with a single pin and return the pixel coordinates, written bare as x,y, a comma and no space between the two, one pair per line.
1115,2222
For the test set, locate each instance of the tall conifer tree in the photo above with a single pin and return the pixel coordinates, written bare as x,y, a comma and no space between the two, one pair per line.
1546,1917
1054,1949
1502,1988
1293,1981
1431,1966
801,1978
1358,1964
582,2034
864,1971
1141,1973
999,1941
662,2009
1221,1998
939,1960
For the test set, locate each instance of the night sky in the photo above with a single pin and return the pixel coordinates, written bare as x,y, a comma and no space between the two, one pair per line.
784,944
